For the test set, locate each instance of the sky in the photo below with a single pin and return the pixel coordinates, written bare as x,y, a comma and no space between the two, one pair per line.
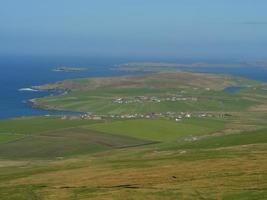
121,28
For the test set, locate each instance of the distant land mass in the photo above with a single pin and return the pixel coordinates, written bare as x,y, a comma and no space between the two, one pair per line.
69,69
162,66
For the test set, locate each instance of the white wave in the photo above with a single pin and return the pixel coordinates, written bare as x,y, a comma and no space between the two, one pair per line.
27,90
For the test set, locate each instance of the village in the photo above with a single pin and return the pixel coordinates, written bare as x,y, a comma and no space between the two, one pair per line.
144,99
176,116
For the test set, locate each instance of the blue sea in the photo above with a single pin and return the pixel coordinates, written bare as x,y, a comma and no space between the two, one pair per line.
18,72
23,72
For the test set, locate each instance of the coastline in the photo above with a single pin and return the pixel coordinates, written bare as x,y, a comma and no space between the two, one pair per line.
57,112
12,105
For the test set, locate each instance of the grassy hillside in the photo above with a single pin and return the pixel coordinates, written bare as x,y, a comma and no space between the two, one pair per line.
155,172
82,159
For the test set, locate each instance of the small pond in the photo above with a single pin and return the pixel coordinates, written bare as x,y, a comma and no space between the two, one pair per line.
232,89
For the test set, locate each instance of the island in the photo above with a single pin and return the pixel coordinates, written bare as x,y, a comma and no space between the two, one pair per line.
69,69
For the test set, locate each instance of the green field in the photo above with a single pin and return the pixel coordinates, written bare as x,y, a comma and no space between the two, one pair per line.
246,138
36,125
52,137
64,143
73,137
7,137
160,130
141,159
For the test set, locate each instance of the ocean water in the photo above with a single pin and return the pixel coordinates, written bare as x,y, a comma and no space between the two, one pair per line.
24,72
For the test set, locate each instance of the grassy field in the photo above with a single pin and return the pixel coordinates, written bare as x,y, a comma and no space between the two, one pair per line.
112,160
65,138
138,173
30,125
7,137
52,137
160,130
246,138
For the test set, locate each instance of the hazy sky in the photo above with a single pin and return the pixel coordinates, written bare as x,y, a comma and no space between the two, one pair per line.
178,28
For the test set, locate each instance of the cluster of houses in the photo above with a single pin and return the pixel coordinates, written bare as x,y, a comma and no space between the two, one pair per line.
176,116
90,116
143,99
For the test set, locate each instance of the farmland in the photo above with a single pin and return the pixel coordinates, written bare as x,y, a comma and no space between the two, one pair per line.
192,92
188,161
155,147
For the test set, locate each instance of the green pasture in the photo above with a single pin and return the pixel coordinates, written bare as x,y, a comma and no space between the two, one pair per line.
101,101
244,138
35,125
159,130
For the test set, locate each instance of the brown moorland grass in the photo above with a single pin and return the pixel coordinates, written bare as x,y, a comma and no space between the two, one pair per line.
162,80
217,174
